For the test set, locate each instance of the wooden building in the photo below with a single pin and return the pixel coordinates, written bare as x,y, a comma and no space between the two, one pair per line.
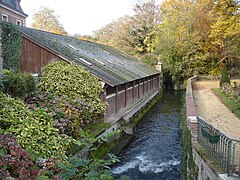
125,79
11,11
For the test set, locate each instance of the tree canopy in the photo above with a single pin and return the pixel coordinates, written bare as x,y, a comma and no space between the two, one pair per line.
45,19
188,37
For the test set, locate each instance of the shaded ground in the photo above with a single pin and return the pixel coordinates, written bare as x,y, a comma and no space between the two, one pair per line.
213,110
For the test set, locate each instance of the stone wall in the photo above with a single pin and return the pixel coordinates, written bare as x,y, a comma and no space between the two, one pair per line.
205,170
191,112
12,16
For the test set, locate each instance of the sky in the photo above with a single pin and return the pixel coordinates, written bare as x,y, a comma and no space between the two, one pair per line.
81,16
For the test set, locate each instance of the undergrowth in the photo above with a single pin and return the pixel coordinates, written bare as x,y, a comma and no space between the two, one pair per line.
229,101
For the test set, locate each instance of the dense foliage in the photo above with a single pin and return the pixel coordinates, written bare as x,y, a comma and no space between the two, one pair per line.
33,129
71,81
230,97
68,115
17,83
14,161
11,46
188,37
85,167
132,34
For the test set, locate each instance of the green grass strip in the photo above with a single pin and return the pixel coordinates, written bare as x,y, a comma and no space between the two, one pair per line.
230,102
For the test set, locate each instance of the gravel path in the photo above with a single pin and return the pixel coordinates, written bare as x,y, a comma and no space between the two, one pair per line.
213,110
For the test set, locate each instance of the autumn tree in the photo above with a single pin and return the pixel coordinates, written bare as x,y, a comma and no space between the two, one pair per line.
133,34
225,32
84,37
182,41
46,20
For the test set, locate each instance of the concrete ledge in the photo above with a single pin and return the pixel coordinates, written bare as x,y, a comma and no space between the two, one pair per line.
192,124
225,177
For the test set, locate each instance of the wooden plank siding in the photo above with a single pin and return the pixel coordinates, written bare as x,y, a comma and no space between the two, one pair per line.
34,57
123,97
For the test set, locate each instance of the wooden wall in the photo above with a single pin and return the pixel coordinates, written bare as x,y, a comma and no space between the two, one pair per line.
121,98
34,57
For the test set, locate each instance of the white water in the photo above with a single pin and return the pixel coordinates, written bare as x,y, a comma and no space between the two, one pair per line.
145,165
154,153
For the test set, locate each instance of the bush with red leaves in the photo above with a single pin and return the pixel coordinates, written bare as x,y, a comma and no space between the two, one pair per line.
14,161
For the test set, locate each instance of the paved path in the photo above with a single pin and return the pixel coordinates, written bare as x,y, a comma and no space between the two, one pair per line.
213,110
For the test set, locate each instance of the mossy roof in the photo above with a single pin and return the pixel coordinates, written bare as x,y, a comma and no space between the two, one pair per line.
108,64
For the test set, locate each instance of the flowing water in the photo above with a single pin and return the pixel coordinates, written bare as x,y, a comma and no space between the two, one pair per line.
154,153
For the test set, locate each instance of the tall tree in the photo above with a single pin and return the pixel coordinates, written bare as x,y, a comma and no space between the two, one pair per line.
132,34
225,32
45,19
182,39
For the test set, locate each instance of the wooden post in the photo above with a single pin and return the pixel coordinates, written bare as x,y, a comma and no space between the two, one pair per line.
116,100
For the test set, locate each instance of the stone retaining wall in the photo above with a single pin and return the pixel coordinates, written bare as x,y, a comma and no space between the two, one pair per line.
191,112
205,170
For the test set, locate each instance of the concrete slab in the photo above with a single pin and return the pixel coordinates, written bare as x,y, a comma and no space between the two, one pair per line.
225,177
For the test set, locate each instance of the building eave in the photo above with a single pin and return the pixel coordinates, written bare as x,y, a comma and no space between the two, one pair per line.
13,10
58,55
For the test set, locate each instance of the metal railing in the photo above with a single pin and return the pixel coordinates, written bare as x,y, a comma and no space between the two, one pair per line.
224,150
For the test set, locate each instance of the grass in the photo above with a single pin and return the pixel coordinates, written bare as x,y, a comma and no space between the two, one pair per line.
230,102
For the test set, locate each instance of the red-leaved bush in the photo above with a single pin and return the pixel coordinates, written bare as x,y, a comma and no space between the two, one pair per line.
14,161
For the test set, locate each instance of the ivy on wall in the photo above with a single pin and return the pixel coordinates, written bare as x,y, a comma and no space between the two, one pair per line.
189,169
11,46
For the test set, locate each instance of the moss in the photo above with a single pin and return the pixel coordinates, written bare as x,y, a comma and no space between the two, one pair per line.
104,149
97,128
140,114
188,166
204,155
107,146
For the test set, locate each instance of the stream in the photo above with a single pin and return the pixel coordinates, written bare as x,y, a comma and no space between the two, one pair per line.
154,153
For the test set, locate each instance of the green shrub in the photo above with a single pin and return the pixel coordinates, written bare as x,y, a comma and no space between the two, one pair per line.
31,85
17,84
1,86
89,168
224,77
33,129
67,114
71,81
14,84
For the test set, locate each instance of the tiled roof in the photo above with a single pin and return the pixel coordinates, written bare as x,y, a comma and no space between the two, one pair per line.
108,64
12,5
